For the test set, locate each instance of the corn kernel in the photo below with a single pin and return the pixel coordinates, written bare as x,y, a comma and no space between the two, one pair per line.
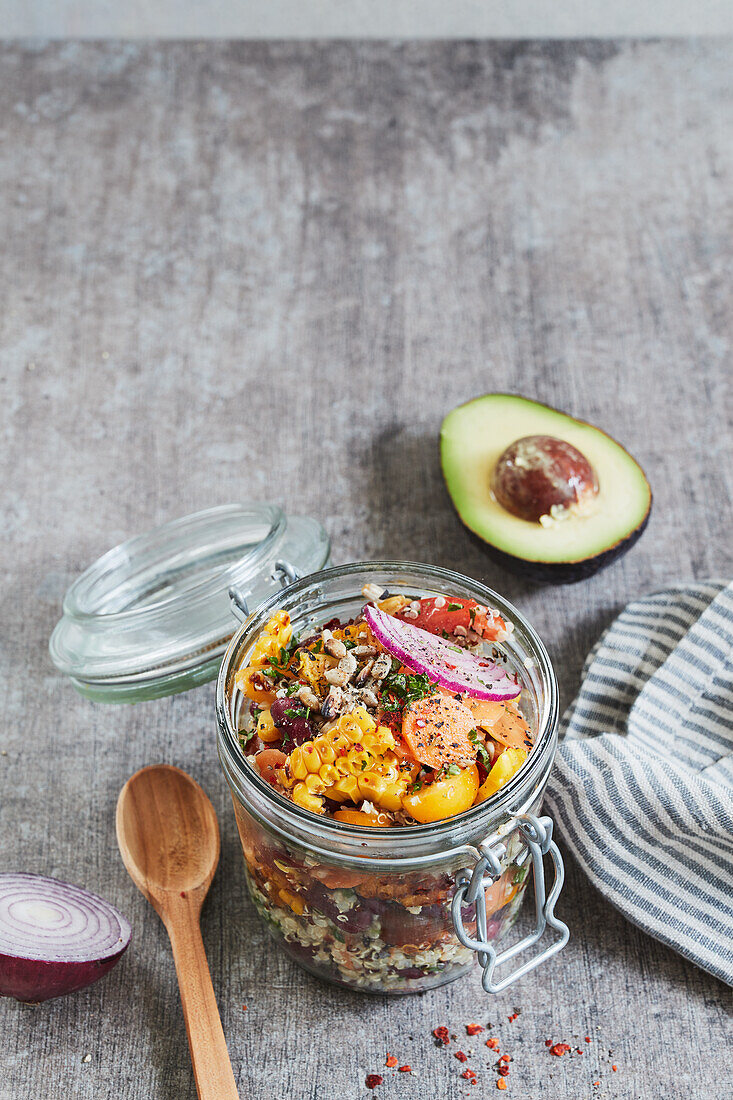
329,775
310,757
298,768
303,797
324,747
314,783
346,787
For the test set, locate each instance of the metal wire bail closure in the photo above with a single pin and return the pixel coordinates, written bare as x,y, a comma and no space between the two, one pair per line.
471,886
239,603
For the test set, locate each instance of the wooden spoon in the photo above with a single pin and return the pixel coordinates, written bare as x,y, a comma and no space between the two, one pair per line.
169,839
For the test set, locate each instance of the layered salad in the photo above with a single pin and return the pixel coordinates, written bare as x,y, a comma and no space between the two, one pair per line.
405,715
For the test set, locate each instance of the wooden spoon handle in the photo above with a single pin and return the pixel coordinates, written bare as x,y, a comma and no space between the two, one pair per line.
211,1066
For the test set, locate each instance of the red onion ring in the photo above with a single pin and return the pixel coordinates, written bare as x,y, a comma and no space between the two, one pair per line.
445,663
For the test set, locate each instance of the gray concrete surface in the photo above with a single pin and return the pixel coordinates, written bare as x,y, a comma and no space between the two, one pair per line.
362,18
267,271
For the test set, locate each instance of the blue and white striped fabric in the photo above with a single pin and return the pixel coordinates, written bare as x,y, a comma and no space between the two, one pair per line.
642,790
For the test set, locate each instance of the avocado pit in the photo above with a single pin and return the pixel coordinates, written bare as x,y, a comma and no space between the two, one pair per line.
541,479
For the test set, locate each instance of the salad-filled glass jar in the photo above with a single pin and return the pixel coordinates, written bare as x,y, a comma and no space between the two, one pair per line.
396,910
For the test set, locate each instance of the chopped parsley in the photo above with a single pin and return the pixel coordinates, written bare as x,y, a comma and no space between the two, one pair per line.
297,712
481,750
399,690
455,607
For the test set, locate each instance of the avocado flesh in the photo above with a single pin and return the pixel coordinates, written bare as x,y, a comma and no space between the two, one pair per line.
473,437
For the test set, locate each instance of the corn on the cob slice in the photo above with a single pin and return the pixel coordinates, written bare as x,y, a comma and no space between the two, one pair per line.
352,761
275,636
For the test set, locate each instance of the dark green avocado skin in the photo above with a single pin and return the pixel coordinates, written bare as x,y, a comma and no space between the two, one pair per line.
570,572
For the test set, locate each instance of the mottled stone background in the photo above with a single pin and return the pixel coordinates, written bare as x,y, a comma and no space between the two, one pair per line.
267,271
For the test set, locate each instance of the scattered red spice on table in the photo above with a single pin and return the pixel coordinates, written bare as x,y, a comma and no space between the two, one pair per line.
244,1008
443,1036
391,1061
372,1080
559,1049
405,1069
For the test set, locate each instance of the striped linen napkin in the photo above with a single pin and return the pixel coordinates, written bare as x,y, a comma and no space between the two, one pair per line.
642,790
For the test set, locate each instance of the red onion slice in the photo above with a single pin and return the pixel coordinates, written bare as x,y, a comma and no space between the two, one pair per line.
55,938
442,661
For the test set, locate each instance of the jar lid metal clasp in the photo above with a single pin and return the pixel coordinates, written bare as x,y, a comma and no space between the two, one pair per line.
239,601
471,886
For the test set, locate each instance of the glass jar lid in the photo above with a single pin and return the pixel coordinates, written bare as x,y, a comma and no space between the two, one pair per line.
154,615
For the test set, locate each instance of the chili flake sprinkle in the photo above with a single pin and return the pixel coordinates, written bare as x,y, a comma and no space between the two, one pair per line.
587,1038
474,1029
469,1075
559,1049
405,1069
372,1080
460,1056
391,1061
501,1083
503,1070
442,1036
492,1044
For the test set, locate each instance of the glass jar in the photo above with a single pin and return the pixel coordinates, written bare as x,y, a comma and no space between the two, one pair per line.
396,910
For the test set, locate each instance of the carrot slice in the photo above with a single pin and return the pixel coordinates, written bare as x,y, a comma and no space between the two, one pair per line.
436,732
502,720
359,817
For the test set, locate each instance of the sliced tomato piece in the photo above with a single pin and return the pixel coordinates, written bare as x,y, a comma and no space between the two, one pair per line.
442,614
436,731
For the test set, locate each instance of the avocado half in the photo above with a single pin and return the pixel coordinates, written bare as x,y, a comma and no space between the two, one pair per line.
473,438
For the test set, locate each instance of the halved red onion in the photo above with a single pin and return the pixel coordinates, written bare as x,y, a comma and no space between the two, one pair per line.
444,662
54,938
